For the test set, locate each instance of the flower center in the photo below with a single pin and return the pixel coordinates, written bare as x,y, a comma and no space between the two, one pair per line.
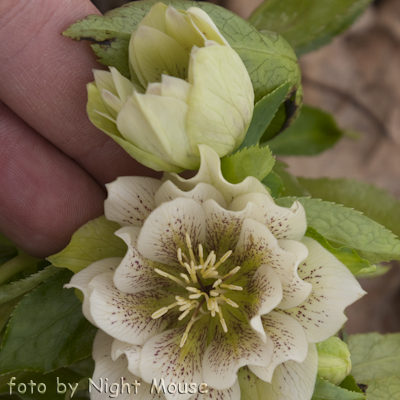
212,296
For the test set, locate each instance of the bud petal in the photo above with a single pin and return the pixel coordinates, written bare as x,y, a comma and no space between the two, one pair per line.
334,362
205,25
221,101
181,28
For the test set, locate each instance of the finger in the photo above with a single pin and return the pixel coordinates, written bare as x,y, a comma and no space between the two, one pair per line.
44,195
43,77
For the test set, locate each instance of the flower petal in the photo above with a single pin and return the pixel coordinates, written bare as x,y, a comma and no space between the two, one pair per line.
230,351
130,199
205,25
296,291
291,380
233,393
202,192
132,353
334,288
224,226
284,223
180,27
81,281
123,85
158,53
210,172
257,246
127,317
135,273
162,357
266,289
165,230
290,343
222,99
167,119
115,372
105,81
176,88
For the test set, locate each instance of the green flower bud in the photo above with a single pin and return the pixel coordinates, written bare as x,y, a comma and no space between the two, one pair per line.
187,87
334,362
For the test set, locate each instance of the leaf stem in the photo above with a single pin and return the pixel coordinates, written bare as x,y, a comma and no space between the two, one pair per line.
16,265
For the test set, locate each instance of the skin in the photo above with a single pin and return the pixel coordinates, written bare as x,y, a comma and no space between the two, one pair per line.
53,161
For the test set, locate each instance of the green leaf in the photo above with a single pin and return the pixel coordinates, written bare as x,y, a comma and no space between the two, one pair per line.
344,254
374,356
18,288
251,161
47,330
92,242
342,226
307,24
269,59
274,183
291,184
350,383
374,202
384,389
264,112
325,390
312,133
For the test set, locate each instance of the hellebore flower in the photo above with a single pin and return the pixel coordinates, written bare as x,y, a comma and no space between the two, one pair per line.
187,87
217,279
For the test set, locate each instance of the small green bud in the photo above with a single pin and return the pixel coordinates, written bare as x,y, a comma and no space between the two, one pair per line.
334,362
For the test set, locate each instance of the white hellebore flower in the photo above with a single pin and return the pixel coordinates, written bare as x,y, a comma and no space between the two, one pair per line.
217,277
187,87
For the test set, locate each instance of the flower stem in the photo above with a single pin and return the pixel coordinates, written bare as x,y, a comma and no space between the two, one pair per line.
16,265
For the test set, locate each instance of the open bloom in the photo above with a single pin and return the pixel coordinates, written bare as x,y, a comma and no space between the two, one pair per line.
187,87
217,279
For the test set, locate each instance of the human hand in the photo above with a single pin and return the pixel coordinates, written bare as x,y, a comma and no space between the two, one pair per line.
53,161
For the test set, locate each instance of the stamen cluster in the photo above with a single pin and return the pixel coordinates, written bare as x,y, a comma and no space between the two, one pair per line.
212,296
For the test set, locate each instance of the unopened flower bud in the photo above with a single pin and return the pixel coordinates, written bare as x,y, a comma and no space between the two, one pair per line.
334,362
187,87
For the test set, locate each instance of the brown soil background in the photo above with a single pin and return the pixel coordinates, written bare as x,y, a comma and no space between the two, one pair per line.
356,78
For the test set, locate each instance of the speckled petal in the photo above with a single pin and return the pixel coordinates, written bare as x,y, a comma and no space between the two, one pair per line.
296,291
232,393
113,371
210,172
224,226
131,199
290,342
202,192
81,281
165,229
291,380
257,246
162,357
334,288
127,317
136,273
265,291
284,223
132,353
230,351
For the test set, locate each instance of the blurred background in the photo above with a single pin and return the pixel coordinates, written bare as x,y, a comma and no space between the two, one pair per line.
357,79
